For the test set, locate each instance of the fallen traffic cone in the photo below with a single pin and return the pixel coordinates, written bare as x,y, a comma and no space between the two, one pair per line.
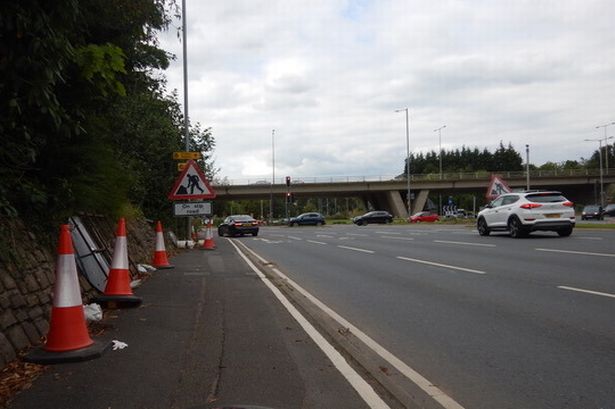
209,244
117,291
160,260
68,339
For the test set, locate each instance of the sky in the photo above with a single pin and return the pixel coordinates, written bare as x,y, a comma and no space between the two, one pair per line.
328,76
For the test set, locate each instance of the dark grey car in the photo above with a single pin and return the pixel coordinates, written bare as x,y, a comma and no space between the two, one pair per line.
312,218
377,216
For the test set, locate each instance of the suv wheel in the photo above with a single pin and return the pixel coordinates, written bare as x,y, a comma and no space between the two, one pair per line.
482,228
318,223
516,229
565,232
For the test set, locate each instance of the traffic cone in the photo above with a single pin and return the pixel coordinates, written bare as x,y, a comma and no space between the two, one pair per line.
68,339
160,260
209,244
117,291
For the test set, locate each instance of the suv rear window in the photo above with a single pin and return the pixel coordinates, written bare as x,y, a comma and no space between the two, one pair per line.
546,198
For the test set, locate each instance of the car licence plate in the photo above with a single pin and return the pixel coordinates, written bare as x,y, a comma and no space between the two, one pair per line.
552,215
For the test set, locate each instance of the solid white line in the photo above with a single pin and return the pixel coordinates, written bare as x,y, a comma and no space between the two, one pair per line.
397,238
316,242
356,249
427,386
464,243
563,287
364,390
585,253
294,238
431,263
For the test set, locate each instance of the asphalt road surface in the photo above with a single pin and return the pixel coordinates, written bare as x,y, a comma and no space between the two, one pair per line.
494,322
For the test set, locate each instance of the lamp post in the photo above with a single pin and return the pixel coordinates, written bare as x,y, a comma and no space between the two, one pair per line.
439,130
185,71
606,144
272,176
600,159
409,200
527,167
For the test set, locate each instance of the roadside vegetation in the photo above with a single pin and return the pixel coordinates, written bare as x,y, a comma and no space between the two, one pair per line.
87,122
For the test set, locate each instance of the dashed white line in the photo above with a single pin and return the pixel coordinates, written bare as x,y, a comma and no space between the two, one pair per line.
365,391
326,236
358,234
356,249
581,290
465,243
316,242
294,238
583,253
397,238
386,232
588,238
431,263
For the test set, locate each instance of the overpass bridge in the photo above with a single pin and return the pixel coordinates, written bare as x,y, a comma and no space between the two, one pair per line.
389,193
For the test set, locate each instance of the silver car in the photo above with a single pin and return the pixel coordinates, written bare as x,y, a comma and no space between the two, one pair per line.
524,212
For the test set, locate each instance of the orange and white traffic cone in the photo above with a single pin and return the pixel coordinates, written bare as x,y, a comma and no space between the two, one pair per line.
68,339
160,260
117,291
209,244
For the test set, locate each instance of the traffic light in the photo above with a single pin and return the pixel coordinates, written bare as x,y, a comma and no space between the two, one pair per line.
287,180
289,197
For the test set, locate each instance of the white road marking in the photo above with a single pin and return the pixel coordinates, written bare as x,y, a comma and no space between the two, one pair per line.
427,386
563,287
358,234
316,242
397,238
344,238
588,238
326,236
431,263
583,253
294,238
386,232
356,249
464,243
365,391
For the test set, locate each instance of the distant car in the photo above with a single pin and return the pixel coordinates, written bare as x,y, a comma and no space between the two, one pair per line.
592,212
524,212
312,218
609,210
238,225
424,217
377,216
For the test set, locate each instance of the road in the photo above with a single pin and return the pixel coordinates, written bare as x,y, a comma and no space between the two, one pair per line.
495,322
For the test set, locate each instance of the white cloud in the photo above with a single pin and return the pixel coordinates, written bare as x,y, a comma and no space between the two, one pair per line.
328,75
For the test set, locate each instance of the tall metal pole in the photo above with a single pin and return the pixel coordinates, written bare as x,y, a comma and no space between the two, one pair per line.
409,198
606,144
273,174
440,157
527,167
186,120
601,176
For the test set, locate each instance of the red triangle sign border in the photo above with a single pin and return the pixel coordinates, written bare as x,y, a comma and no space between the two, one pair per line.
191,164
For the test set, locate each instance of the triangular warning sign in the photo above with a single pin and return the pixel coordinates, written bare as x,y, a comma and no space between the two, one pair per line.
191,184
497,187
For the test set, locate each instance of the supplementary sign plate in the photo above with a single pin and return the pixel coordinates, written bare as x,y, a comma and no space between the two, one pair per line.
192,209
186,155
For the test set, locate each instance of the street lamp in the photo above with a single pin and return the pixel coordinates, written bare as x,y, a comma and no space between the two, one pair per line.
439,130
600,159
606,144
273,175
409,202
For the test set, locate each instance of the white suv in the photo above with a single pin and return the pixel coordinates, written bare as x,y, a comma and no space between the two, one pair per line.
523,212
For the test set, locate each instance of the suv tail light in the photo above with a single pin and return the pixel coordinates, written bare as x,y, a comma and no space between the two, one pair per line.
568,204
530,205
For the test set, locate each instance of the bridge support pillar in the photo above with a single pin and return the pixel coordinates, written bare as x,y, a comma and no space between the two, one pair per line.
419,203
396,204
